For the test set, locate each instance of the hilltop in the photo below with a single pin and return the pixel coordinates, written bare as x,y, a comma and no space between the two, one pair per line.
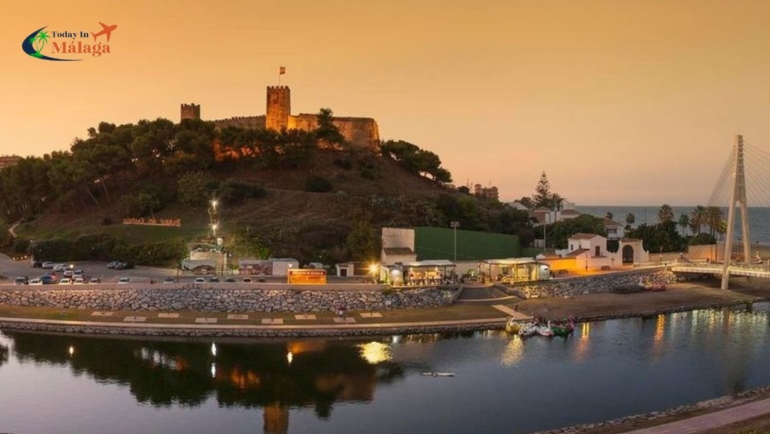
290,193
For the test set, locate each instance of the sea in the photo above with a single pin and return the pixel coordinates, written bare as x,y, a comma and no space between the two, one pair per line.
759,218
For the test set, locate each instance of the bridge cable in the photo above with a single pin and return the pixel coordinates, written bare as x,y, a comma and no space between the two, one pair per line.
757,165
718,195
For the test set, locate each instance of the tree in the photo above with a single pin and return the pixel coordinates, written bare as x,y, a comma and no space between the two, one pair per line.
527,202
608,215
542,196
630,219
713,219
192,189
683,222
327,133
697,219
665,214
362,242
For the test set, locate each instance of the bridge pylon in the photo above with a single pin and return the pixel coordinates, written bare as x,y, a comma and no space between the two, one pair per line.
738,196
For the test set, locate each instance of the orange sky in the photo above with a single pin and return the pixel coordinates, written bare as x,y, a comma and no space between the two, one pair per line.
620,102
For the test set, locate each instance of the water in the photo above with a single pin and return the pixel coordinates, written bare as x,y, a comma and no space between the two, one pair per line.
61,384
759,218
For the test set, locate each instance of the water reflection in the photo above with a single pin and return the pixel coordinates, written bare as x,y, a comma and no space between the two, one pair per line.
316,374
603,371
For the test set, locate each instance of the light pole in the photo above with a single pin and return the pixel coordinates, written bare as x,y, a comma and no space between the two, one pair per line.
455,225
214,218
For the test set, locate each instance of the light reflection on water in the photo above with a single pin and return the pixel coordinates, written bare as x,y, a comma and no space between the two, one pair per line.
604,370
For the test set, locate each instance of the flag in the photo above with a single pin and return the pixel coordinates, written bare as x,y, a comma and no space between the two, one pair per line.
282,70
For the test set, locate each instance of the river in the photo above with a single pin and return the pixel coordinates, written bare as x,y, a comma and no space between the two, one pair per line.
605,370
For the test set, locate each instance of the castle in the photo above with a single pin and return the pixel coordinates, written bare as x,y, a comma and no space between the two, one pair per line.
359,132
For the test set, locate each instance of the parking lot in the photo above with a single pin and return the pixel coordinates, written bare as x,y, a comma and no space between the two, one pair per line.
11,269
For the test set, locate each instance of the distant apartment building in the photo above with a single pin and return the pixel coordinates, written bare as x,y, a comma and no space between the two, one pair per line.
8,161
486,192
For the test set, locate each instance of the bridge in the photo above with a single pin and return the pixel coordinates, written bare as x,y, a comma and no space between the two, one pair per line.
746,270
732,188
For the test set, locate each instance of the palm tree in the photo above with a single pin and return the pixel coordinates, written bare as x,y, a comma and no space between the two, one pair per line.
665,214
697,219
722,229
557,202
630,219
713,216
608,216
684,222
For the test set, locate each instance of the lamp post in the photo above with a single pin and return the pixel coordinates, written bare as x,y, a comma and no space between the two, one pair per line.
455,225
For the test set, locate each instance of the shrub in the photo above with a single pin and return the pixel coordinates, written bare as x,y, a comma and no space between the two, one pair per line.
318,184
233,192
343,164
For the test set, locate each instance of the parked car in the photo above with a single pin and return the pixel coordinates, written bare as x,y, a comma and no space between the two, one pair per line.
230,280
35,282
60,267
77,273
123,281
78,281
213,279
168,280
67,273
21,281
35,263
95,280
200,280
47,265
48,279
65,281
247,280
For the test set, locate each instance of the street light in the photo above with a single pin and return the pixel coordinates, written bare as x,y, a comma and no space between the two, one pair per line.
455,225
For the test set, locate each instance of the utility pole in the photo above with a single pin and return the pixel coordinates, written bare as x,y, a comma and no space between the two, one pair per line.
455,225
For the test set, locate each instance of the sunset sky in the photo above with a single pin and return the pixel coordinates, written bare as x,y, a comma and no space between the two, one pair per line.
619,102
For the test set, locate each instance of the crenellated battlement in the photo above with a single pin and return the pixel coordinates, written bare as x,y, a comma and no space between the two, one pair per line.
278,107
190,111
358,132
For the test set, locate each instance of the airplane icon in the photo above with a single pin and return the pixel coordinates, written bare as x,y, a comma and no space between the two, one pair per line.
106,30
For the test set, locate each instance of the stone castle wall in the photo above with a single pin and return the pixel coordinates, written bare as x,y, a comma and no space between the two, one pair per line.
190,111
360,132
278,107
254,122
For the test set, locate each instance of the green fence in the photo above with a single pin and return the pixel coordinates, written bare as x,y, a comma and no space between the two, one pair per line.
439,243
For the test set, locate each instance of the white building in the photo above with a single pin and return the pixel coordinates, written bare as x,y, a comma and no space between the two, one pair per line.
590,252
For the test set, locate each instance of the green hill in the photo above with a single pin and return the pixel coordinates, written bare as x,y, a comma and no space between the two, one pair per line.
280,194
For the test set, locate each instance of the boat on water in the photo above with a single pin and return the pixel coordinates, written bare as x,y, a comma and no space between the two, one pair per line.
512,326
527,329
438,374
545,330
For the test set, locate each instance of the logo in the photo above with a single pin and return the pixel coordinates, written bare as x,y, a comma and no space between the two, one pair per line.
41,43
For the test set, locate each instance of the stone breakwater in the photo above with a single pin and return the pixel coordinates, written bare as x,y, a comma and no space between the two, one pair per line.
568,287
638,420
227,300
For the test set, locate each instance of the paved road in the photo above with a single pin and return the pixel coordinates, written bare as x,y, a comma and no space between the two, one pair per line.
711,421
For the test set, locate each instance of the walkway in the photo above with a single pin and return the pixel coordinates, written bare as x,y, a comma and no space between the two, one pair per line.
711,421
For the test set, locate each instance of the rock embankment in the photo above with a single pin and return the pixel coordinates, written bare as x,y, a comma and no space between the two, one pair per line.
226,300
641,420
568,287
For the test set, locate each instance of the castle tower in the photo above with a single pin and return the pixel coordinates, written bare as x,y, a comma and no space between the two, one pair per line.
190,111
278,107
